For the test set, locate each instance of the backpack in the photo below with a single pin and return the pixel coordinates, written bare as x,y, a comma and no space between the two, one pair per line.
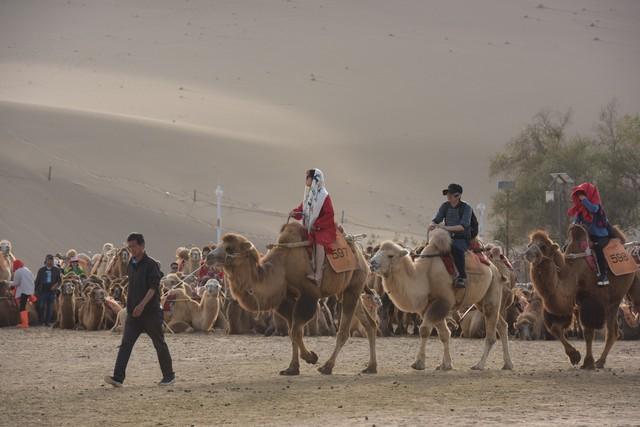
474,227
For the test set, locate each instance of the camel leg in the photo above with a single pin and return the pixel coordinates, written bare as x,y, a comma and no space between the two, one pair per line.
491,314
303,311
425,330
286,311
588,362
436,312
444,334
503,332
556,325
372,331
612,336
349,301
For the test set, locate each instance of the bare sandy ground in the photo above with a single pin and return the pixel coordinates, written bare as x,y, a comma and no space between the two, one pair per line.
55,378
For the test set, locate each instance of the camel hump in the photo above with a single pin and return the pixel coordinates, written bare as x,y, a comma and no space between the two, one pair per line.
440,240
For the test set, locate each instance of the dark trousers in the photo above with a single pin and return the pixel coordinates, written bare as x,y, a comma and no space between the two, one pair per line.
23,302
45,305
598,245
458,249
151,323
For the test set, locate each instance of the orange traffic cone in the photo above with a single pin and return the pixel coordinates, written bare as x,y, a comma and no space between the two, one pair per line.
24,320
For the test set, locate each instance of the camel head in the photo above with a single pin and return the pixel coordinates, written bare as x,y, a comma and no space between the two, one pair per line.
106,248
541,248
382,262
98,295
232,248
195,255
524,327
212,288
71,253
67,287
124,255
170,281
5,247
182,253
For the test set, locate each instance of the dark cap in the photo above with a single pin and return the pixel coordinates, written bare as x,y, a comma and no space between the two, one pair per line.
49,256
453,189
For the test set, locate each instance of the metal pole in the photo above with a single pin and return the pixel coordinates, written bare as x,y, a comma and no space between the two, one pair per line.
219,194
342,218
49,173
507,224
194,196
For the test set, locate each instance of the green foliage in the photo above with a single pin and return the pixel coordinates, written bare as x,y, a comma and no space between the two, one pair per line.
610,159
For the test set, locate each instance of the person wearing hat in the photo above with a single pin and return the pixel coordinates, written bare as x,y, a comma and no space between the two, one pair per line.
456,215
24,285
48,280
74,267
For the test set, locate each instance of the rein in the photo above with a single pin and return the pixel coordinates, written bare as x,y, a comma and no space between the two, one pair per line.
289,245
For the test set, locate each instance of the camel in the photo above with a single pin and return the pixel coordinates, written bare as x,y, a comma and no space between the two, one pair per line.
321,325
6,260
5,269
530,323
193,262
564,280
9,310
189,315
182,257
101,261
472,325
369,303
66,318
93,312
119,263
278,281
425,287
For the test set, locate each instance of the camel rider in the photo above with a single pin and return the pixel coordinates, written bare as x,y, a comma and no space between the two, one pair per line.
316,213
74,267
587,210
457,221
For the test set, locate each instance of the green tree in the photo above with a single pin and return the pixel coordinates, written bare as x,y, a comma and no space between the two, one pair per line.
610,159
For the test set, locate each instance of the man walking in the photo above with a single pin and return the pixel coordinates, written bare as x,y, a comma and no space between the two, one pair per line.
48,280
143,313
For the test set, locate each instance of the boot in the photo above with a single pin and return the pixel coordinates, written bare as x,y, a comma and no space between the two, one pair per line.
24,320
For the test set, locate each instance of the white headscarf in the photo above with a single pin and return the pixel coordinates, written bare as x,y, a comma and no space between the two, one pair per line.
313,200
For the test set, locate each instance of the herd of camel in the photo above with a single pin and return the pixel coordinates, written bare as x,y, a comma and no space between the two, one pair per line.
392,290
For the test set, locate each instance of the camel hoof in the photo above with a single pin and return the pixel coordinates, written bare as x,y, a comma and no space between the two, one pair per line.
370,370
507,367
325,370
588,364
311,359
600,364
290,371
574,357
477,368
444,367
418,365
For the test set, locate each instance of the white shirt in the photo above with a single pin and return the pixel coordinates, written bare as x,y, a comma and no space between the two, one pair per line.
23,281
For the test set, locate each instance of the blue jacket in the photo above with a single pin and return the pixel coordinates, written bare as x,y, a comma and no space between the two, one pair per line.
451,217
598,226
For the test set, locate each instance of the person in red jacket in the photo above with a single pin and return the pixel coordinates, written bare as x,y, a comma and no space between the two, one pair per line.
316,213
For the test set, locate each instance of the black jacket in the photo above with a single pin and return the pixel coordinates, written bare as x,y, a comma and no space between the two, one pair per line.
41,279
143,275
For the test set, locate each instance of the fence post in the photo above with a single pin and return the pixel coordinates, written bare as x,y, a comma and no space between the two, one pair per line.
49,177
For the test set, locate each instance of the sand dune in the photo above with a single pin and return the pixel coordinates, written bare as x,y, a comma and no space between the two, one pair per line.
131,100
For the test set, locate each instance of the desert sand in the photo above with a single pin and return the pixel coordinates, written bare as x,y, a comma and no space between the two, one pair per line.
136,104
53,377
